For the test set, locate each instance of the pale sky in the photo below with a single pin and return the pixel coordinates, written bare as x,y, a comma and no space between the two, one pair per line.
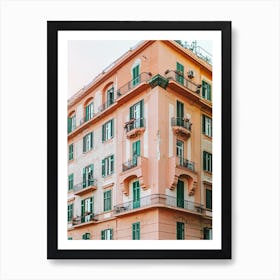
86,59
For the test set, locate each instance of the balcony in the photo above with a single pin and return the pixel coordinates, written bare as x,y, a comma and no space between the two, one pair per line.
177,77
159,200
79,220
106,105
181,127
129,164
142,78
82,188
186,163
134,127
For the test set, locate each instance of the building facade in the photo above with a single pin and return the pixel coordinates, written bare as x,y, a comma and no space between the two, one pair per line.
140,148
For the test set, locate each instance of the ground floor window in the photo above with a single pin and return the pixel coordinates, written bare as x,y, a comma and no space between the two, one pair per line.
207,233
107,234
136,231
180,231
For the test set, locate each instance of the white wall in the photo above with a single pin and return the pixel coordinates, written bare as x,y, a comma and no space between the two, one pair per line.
23,81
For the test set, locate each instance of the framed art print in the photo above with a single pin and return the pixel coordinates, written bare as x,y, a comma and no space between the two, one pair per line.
139,140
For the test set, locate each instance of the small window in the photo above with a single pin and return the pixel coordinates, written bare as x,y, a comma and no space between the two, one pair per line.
207,162
207,233
71,152
136,231
89,111
86,236
108,130
135,75
70,212
180,231
208,194
71,123
107,234
108,200
88,176
206,91
88,142
70,182
108,166
206,125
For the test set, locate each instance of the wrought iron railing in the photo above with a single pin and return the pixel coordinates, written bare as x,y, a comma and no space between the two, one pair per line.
181,122
143,77
85,184
130,164
134,123
106,105
186,163
88,217
158,199
179,78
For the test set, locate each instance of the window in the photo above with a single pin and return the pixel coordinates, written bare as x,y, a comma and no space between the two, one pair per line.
108,200
207,161
208,194
71,123
180,150
86,209
180,110
70,238
135,151
70,212
110,96
107,234
88,142
71,152
180,194
136,113
108,166
108,130
88,176
86,236
207,233
180,231
136,231
70,181
135,75
180,71
206,91
89,111
206,125
136,194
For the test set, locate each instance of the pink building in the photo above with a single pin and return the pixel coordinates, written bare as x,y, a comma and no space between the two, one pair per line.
140,148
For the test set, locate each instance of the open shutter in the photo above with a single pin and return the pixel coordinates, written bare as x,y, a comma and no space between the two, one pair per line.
141,108
84,144
103,167
131,115
203,124
203,89
91,140
112,164
84,177
69,125
102,234
87,112
82,208
112,128
204,160
91,205
111,234
103,132
210,92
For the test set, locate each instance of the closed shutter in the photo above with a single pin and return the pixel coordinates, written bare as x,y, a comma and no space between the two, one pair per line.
111,234
103,167
180,194
141,108
84,177
131,114
112,128
208,199
203,89
102,234
112,164
69,125
209,92
203,124
82,210
91,205
136,194
91,140
103,132
84,144
204,160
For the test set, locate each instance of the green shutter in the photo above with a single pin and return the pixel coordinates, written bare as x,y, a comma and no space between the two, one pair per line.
102,234
136,194
82,207
180,231
91,205
112,128
111,234
103,132
180,69
112,164
135,75
84,144
91,140
84,177
136,148
180,194
142,108
210,92
131,116
109,200
203,89
87,113
69,125
103,167
180,110
204,160
208,199
203,124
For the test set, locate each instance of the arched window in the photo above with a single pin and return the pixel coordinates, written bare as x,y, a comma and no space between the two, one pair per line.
89,109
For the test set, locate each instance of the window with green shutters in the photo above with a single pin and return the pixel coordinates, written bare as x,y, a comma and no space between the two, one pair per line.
136,151
88,179
206,125
180,231
108,166
180,110
108,130
136,194
70,182
208,194
180,194
207,161
70,212
180,73
70,238
88,142
86,236
110,96
71,152
89,111
107,234
206,91
108,200
207,233
135,75
136,231
136,113
87,209
71,123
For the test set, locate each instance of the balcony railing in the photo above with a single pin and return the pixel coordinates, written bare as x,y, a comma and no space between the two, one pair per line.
143,77
84,185
186,163
134,123
182,123
179,78
158,199
106,105
129,164
88,217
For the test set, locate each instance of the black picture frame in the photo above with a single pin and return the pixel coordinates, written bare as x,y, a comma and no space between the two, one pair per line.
53,27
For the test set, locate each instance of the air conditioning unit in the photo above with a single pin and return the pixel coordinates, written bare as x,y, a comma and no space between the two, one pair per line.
191,74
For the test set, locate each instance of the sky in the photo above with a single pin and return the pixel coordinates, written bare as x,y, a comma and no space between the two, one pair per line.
86,59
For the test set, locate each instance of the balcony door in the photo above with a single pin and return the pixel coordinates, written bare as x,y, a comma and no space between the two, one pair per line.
136,194
180,194
135,151
136,113
110,96
180,151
